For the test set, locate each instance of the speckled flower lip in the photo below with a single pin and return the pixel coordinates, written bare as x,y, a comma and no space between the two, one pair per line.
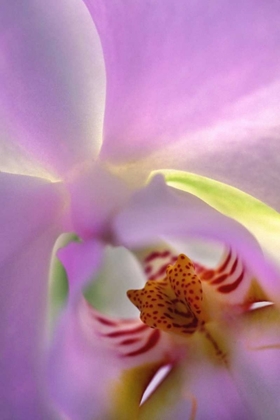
174,304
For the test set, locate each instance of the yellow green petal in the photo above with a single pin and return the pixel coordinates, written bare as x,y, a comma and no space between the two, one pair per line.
262,220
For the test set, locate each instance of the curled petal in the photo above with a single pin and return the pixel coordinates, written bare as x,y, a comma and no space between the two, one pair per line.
30,223
52,84
159,212
260,219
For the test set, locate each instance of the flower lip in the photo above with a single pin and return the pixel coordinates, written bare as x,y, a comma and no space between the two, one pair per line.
174,304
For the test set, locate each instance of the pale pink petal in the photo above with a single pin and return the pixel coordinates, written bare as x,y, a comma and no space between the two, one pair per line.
216,394
245,388
99,366
199,389
81,261
196,390
160,212
52,84
29,215
257,376
197,83
96,196
260,328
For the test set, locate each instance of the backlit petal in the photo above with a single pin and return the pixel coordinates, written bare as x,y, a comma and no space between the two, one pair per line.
198,80
52,86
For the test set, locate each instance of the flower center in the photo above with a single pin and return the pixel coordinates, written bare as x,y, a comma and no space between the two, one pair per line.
174,304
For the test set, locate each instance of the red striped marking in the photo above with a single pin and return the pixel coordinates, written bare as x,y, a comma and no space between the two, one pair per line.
207,275
156,263
227,288
129,341
121,333
105,321
155,255
234,265
148,269
224,265
220,279
151,342
122,336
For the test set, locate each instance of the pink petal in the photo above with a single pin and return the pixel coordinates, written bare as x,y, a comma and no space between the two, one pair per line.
94,357
197,83
96,196
91,360
216,394
256,374
81,261
196,390
29,226
160,212
52,84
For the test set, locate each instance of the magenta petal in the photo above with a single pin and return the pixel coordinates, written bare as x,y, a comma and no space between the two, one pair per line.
175,67
29,226
52,83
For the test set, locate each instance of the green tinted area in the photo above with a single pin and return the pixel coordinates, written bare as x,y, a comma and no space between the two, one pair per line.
58,283
261,220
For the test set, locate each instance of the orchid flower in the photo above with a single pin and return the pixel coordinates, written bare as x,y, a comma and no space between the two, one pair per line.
140,275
